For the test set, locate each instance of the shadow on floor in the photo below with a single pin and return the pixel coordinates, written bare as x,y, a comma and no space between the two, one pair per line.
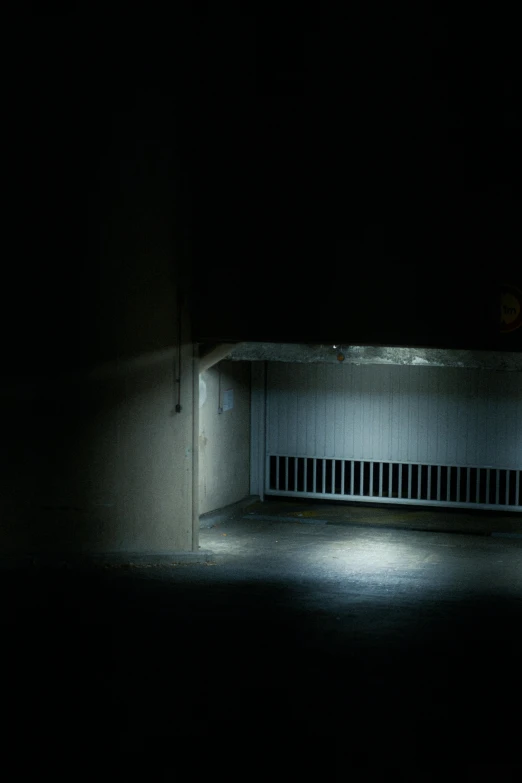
154,660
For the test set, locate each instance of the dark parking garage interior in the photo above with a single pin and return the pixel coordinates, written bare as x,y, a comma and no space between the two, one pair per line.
262,391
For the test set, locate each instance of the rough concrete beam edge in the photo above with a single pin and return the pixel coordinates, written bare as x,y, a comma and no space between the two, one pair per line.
505,361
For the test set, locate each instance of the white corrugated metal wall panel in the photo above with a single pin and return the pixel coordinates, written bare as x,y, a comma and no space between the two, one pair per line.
435,415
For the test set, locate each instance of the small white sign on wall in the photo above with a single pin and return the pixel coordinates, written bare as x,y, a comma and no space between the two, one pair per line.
228,400
202,392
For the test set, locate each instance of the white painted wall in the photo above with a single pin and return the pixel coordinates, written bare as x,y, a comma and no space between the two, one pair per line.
431,415
224,438
98,464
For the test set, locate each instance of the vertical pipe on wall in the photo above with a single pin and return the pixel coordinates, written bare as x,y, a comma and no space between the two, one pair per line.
177,406
195,447
263,435
255,489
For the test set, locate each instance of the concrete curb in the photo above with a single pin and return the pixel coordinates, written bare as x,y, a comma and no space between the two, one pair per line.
109,560
212,518
507,535
385,526
301,520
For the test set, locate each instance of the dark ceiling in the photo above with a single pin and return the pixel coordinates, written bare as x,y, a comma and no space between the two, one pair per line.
350,175
356,178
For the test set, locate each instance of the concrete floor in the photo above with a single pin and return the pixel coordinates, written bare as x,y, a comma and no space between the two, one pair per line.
355,648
